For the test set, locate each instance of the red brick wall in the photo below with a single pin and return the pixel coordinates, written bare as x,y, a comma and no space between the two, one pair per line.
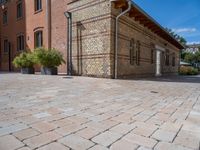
10,32
59,29
35,21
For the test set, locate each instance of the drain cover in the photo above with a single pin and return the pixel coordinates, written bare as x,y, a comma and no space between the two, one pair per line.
154,92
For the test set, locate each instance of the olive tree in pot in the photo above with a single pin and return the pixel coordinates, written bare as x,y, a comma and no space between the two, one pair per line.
25,61
49,59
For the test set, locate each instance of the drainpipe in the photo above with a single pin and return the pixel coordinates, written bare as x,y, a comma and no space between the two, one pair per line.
68,15
116,34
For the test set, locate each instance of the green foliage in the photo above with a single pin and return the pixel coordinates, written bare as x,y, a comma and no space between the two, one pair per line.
179,38
191,57
24,60
187,70
48,58
183,54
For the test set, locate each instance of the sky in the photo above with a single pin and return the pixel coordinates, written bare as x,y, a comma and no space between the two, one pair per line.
182,16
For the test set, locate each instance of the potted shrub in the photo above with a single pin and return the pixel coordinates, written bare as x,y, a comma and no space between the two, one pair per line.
25,61
49,59
188,70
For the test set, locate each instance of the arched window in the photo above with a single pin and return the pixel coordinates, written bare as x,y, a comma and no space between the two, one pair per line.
20,42
152,52
152,56
167,58
38,38
137,53
173,60
132,51
38,5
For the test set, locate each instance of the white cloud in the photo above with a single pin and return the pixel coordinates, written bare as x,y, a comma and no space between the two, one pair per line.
193,42
184,30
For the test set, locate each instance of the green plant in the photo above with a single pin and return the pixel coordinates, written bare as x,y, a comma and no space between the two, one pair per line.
187,70
24,60
50,58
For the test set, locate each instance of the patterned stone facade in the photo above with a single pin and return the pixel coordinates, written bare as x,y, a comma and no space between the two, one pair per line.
91,37
93,43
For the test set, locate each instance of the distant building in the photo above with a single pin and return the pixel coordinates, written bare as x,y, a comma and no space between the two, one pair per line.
192,48
144,46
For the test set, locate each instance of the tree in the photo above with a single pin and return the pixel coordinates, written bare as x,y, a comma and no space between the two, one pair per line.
189,57
179,38
192,58
197,57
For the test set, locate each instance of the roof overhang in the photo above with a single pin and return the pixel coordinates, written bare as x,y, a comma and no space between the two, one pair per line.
147,21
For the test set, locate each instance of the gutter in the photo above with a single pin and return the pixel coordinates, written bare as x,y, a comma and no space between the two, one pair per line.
116,36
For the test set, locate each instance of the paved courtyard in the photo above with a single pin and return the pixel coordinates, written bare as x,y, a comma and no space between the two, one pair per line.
79,113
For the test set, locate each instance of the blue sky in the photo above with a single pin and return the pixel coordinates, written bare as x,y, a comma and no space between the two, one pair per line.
182,16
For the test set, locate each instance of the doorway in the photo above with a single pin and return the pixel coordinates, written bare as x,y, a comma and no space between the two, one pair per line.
159,51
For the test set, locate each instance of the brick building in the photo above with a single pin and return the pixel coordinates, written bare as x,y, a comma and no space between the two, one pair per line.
24,26
88,42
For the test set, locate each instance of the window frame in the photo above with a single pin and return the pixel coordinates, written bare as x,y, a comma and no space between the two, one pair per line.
138,46
132,51
36,43
152,56
19,4
5,17
173,60
20,42
37,7
5,46
167,58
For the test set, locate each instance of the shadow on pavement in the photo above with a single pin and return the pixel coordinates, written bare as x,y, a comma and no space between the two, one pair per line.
184,79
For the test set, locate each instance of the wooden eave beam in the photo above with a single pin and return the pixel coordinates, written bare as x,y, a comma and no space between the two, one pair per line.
148,24
139,18
144,21
133,12
120,4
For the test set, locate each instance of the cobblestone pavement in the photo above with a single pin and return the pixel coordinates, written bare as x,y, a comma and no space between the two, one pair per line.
79,113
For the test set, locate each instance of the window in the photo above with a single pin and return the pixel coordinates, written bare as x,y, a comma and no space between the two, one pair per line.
19,10
167,58
38,39
38,5
138,53
132,51
5,46
20,42
173,60
3,1
152,56
5,17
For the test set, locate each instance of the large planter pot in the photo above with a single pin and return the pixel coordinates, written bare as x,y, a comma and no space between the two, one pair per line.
49,71
27,70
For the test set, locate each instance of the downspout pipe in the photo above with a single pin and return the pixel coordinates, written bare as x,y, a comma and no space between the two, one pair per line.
68,15
116,35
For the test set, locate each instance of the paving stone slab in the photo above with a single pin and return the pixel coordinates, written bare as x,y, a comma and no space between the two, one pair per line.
9,142
76,142
42,139
106,138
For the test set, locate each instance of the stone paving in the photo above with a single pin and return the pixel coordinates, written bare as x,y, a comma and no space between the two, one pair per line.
79,113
